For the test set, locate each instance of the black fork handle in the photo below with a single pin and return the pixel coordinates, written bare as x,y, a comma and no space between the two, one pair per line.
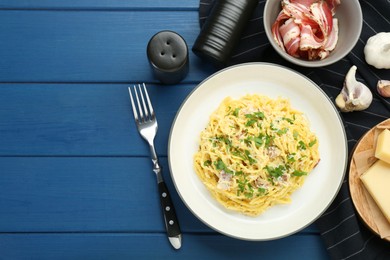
169,213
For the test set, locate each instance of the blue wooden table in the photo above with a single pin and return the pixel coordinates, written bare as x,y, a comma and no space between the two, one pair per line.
76,181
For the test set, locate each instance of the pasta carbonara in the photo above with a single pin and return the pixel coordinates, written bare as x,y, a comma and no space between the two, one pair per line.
254,152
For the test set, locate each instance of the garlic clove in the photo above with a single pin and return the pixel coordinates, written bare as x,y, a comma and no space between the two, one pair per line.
340,102
355,96
383,88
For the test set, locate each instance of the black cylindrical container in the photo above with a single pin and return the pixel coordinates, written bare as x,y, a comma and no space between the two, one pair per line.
222,29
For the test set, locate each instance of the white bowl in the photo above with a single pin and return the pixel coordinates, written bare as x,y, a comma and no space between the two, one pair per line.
350,21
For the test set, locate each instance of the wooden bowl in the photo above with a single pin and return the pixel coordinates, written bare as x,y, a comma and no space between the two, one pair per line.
359,195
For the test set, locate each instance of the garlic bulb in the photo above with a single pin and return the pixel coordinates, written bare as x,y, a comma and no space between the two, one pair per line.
354,96
377,50
383,88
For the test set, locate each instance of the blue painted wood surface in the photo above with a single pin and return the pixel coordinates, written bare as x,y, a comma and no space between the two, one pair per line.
156,246
75,177
146,5
88,46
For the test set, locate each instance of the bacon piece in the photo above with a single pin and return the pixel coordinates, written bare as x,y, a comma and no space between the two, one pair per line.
224,181
289,30
304,2
323,16
292,47
282,17
273,151
260,183
332,5
333,37
312,54
295,8
290,33
309,40
322,54
299,11
315,54
306,28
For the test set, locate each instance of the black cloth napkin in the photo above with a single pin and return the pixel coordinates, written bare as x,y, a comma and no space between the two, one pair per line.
343,233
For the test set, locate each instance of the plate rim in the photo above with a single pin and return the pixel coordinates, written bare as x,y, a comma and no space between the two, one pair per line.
340,121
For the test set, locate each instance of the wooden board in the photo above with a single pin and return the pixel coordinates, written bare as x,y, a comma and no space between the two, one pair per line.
359,195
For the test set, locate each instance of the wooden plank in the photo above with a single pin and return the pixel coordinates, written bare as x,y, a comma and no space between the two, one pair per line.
155,246
65,46
99,4
80,119
84,194
61,194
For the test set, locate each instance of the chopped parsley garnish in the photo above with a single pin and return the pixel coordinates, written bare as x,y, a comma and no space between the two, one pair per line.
291,121
268,140
244,155
221,139
250,122
225,140
249,157
291,157
282,131
235,112
254,117
241,186
261,191
248,194
238,173
299,173
312,143
277,130
295,134
248,188
301,145
221,166
207,163
258,140
275,172
238,153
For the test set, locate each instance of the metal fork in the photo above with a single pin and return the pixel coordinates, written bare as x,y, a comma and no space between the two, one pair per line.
146,122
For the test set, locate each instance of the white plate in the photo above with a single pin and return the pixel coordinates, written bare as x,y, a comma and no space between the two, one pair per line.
320,187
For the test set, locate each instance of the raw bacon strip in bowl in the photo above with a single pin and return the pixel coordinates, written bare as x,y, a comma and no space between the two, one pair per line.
290,33
323,16
311,21
313,33
282,17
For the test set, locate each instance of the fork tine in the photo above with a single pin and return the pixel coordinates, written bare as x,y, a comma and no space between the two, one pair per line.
149,103
133,106
143,102
141,114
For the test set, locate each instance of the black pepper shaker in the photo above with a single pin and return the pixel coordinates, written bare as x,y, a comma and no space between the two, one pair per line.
222,30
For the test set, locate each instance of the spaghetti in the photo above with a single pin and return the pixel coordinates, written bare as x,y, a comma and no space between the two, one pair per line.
254,152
